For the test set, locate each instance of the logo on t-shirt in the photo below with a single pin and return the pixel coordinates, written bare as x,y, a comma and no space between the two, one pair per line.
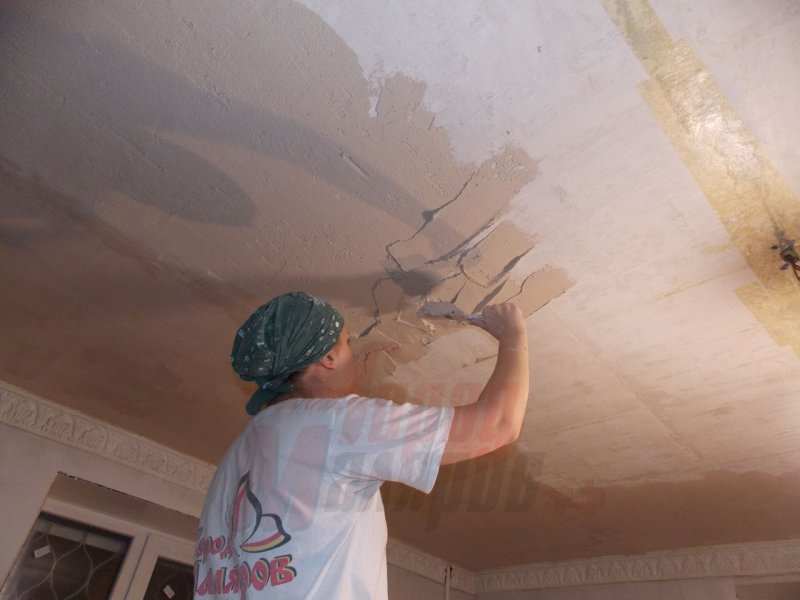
251,532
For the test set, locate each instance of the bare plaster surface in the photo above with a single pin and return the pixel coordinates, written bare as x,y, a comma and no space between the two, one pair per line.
166,168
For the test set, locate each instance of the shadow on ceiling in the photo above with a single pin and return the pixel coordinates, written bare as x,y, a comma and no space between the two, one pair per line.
148,99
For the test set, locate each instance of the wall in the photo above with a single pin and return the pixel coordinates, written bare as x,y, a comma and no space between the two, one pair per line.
30,465
772,590
405,584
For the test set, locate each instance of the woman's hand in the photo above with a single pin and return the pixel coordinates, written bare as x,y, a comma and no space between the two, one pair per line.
503,321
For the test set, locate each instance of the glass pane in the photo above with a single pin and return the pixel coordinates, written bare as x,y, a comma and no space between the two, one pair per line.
65,560
170,581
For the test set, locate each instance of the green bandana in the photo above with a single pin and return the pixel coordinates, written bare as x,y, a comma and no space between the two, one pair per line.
282,337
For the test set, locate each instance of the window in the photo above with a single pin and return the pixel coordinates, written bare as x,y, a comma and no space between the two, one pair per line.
170,580
66,560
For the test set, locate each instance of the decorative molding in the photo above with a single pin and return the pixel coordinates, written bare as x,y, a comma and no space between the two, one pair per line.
52,421
61,424
735,560
759,558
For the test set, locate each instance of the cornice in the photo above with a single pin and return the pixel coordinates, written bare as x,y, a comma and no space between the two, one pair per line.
733,560
55,422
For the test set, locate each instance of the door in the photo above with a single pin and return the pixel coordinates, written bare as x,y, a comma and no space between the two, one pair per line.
164,571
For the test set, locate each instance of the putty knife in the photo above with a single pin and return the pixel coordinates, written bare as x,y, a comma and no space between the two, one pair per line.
448,310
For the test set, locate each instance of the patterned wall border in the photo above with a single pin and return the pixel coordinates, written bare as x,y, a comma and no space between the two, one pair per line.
56,422
761,558
52,421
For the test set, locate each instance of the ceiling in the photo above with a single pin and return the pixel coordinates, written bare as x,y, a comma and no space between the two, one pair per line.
619,168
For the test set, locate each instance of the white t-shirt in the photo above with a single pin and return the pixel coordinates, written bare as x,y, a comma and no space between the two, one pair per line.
294,510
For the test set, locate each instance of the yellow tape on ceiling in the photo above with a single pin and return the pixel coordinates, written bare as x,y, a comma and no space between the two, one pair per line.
750,196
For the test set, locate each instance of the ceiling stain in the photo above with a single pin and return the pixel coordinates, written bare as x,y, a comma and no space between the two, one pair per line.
750,196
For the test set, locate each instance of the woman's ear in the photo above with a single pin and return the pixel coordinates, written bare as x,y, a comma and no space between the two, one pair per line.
328,361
